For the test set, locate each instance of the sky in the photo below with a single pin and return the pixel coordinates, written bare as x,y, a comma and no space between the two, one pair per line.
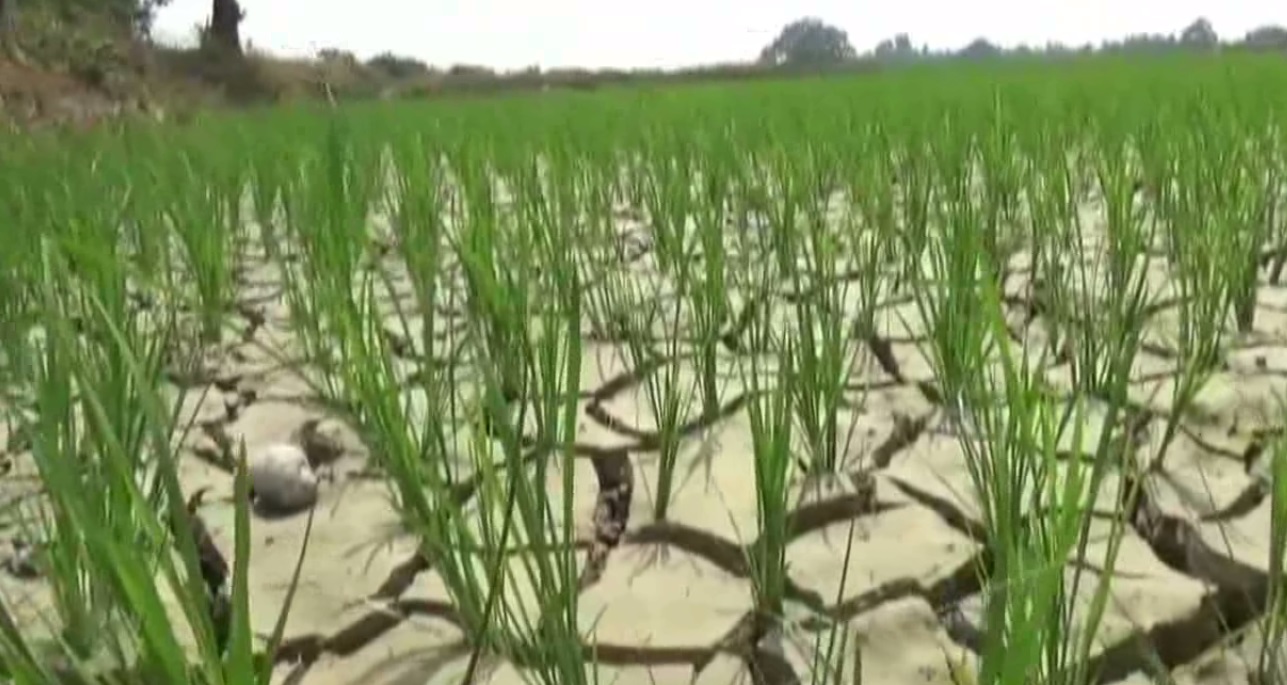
515,34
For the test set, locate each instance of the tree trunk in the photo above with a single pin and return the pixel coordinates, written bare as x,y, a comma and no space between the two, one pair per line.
225,25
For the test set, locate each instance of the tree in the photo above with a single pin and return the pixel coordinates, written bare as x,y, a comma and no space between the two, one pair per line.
224,33
1141,43
1268,37
397,66
897,48
979,48
1200,35
145,13
133,15
337,56
808,42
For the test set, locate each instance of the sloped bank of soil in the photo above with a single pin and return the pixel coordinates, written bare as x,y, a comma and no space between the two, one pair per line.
32,96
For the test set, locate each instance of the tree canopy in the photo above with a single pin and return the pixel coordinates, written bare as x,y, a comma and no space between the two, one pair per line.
1200,34
134,14
1268,37
397,66
896,48
808,42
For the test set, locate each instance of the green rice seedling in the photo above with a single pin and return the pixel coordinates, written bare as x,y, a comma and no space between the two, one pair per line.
873,199
204,213
492,255
1159,154
58,435
875,224
1103,299
417,456
1120,315
1225,182
1128,236
1035,514
327,207
603,276
771,416
686,205
1270,666
147,242
18,311
1055,234
107,457
1000,174
549,640
829,657
269,174
1038,516
666,181
509,212
1259,214
77,474
537,361
1201,264
606,320
823,355
707,298
548,205
583,187
959,166
1272,211
411,436
670,392
874,234
868,254
709,292
84,305
543,349
753,276
948,304
419,230
1217,215
910,171
779,196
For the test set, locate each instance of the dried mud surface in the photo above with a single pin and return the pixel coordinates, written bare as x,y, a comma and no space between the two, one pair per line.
671,600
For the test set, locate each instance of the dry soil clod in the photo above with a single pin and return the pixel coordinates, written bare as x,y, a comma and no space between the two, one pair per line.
321,441
21,563
282,481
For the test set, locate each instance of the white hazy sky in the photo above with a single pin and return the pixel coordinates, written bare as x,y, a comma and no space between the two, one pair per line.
512,34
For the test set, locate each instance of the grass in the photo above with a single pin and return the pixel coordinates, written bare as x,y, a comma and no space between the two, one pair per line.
445,268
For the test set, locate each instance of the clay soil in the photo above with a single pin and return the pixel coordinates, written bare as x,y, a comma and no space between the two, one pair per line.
670,600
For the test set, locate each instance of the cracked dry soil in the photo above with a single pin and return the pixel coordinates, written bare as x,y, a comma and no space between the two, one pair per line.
671,599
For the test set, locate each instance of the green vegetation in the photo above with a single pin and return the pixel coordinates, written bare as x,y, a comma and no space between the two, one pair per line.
785,221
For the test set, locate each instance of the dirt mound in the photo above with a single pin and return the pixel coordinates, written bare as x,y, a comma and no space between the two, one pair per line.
30,94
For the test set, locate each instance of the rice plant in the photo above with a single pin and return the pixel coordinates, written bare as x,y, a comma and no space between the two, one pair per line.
1019,256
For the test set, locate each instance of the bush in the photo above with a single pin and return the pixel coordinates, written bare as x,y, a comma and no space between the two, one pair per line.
397,67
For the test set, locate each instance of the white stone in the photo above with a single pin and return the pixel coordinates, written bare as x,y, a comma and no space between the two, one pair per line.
282,479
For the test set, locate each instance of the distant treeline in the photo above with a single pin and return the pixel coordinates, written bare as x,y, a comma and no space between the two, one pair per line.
407,76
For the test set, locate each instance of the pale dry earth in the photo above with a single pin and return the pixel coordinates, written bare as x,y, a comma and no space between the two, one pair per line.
672,598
